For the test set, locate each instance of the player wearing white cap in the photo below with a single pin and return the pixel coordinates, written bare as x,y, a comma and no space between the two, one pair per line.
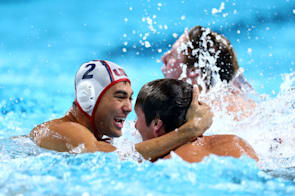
103,97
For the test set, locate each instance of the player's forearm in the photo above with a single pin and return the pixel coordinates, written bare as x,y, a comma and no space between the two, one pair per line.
102,147
160,146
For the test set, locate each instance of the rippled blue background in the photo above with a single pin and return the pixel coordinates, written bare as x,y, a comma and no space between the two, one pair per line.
42,44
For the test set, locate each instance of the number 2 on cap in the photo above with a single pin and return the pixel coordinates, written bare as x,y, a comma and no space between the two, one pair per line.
86,74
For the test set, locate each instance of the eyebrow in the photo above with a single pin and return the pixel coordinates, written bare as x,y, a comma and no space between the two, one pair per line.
123,93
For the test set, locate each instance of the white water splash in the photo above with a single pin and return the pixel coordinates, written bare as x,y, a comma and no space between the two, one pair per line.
79,149
215,10
125,143
269,130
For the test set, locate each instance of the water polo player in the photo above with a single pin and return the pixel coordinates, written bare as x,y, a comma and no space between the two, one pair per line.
206,58
161,106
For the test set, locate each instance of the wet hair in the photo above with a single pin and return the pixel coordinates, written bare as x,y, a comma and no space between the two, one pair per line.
203,41
166,99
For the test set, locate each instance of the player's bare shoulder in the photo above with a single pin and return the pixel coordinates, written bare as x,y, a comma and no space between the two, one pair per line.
61,135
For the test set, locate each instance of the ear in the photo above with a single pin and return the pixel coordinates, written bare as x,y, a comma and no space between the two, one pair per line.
158,127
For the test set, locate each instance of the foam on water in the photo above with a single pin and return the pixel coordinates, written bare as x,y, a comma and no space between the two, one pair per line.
269,129
105,174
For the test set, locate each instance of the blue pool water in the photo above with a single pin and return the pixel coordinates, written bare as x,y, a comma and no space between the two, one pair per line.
42,43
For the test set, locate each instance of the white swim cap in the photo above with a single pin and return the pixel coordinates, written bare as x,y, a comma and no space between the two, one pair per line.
92,80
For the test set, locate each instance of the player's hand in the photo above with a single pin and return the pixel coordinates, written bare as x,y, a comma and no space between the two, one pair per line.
199,116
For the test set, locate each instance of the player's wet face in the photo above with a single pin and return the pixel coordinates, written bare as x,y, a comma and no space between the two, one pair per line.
173,58
113,109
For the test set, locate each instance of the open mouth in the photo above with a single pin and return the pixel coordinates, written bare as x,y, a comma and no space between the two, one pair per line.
119,121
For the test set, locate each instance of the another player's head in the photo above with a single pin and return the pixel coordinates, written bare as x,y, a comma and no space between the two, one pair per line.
103,94
201,56
161,106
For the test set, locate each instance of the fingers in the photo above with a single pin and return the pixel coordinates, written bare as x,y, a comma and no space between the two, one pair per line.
196,93
197,109
206,121
209,116
203,108
201,125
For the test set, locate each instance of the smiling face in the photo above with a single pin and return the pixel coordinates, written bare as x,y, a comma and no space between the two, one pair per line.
113,109
173,58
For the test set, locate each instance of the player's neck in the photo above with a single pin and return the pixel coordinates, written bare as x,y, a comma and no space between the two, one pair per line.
74,115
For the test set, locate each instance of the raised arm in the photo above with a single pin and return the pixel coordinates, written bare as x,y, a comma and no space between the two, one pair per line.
199,119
